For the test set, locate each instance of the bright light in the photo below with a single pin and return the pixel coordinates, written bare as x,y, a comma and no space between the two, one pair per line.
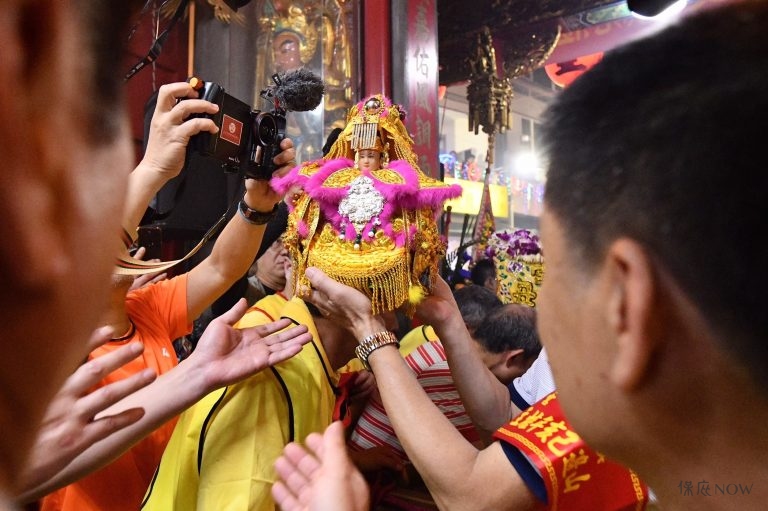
668,14
527,164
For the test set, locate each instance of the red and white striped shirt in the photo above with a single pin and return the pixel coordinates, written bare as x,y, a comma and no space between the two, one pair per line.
428,363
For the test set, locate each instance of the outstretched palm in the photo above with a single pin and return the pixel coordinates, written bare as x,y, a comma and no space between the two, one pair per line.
228,355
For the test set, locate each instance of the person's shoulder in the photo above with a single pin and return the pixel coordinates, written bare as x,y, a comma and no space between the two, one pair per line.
266,310
159,290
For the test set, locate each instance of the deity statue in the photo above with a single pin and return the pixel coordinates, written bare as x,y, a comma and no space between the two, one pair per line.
314,34
368,205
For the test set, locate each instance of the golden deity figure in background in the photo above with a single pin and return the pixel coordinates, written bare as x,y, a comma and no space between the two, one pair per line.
314,34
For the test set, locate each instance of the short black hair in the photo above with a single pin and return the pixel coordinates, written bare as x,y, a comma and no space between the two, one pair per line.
663,142
482,270
510,327
474,303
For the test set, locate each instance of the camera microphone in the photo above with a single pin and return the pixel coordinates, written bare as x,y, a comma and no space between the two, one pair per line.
248,140
295,91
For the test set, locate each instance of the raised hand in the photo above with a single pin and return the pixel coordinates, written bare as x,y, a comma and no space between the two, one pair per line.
342,303
71,422
259,194
226,355
439,306
172,127
320,477
169,134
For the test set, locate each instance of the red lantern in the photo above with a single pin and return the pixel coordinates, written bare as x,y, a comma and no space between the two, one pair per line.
564,73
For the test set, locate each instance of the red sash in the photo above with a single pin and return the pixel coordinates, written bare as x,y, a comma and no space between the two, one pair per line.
576,477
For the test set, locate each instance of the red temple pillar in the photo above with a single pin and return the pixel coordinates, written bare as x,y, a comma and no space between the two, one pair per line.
376,43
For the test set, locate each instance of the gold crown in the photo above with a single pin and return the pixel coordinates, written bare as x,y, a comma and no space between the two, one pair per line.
365,126
374,230
375,123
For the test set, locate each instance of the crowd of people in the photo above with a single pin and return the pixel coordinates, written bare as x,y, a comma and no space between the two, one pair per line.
633,371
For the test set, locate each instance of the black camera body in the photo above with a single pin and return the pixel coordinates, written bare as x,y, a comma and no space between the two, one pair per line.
247,139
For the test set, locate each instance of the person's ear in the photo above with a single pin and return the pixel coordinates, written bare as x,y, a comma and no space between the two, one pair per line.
32,37
515,359
513,363
630,309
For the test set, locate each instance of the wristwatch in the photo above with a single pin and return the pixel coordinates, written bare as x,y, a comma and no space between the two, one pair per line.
256,217
372,343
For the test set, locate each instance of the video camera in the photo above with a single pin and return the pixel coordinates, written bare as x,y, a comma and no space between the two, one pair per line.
249,139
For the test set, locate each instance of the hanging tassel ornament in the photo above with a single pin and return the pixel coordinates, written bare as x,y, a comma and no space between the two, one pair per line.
416,294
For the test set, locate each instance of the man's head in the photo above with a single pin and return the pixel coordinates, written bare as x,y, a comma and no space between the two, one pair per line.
66,156
269,268
474,303
483,273
655,202
508,340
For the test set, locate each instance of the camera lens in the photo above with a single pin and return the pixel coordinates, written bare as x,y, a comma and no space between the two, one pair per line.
266,129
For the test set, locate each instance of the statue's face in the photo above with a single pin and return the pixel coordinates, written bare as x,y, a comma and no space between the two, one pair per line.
286,52
368,159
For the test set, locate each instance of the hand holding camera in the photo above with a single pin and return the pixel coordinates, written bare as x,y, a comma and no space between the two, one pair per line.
248,140
258,194
174,123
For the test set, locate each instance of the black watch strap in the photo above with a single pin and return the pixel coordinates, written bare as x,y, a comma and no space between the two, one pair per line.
256,217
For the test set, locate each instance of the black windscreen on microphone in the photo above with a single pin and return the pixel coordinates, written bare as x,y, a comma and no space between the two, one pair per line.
296,91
